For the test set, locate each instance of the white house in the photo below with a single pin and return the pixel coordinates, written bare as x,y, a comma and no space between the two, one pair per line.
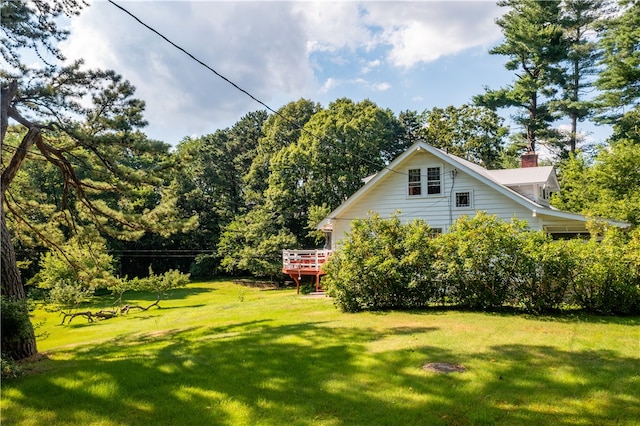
428,183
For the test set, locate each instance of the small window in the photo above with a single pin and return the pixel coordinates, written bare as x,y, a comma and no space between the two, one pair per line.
435,232
463,199
415,184
433,181
543,193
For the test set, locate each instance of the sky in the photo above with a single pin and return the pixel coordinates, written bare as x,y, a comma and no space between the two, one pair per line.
402,55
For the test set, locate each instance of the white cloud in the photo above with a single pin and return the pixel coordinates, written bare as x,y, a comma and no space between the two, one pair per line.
381,87
329,84
425,31
369,66
267,49
416,31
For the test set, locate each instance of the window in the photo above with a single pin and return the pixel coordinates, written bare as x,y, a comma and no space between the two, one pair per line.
433,181
543,193
435,232
415,185
463,199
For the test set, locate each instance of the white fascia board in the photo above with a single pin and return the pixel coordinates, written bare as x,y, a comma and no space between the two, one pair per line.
520,199
324,224
580,217
509,193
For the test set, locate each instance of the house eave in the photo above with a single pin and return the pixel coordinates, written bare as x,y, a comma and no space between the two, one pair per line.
535,208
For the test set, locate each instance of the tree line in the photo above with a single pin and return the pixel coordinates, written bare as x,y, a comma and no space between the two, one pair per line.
80,176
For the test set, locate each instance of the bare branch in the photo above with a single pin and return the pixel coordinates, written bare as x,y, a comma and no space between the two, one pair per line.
33,136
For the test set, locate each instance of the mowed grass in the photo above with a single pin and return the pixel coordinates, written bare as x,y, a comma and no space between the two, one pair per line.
220,354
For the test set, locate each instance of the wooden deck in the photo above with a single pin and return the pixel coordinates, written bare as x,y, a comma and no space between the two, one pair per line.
304,263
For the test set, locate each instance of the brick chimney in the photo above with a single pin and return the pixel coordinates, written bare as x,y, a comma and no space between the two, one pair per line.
529,159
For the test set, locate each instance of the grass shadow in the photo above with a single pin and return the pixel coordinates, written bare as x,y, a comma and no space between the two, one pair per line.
319,373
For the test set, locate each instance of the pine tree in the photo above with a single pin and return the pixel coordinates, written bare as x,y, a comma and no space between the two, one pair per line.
534,45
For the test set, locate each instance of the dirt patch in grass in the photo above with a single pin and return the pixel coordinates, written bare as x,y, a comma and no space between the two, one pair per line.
444,367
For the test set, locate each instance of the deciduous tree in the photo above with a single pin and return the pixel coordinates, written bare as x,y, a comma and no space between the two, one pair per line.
473,133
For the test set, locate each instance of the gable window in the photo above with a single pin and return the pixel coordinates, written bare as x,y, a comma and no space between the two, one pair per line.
415,184
463,199
543,193
433,181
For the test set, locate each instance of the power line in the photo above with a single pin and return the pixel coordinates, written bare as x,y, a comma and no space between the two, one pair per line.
193,57
190,55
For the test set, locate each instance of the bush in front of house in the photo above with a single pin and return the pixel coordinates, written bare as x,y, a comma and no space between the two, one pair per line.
478,259
545,273
483,263
382,264
607,274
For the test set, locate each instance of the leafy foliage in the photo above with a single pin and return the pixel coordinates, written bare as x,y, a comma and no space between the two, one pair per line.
15,324
619,79
382,264
159,284
279,131
473,133
72,273
483,263
605,281
341,145
544,274
609,188
253,243
478,258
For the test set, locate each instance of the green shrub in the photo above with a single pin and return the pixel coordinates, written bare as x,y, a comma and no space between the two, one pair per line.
544,274
606,281
74,272
159,284
16,326
482,263
382,264
205,266
478,260
9,368
68,293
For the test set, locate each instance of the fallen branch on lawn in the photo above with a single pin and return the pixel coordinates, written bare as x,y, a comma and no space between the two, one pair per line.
89,315
126,308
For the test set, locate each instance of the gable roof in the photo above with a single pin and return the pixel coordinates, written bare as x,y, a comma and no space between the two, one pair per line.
526,176
495,179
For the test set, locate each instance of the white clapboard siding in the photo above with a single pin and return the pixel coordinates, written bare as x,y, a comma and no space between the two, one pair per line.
390,196
387,194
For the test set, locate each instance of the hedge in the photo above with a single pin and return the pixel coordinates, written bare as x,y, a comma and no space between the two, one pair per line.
483,263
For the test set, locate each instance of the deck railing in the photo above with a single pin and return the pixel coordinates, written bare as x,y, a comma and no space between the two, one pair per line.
304,260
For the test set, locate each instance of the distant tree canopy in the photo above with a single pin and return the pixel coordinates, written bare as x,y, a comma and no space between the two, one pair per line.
303,161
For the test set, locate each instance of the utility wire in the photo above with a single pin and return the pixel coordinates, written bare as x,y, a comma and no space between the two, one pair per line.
190,55
193,57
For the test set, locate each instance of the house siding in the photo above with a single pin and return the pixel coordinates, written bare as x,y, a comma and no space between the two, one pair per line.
390,195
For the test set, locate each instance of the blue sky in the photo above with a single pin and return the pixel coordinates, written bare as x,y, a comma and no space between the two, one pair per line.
403,55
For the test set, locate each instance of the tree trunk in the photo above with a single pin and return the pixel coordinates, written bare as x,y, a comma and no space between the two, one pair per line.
18,337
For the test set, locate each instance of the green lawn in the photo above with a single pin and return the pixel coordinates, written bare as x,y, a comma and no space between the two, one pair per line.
218,353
